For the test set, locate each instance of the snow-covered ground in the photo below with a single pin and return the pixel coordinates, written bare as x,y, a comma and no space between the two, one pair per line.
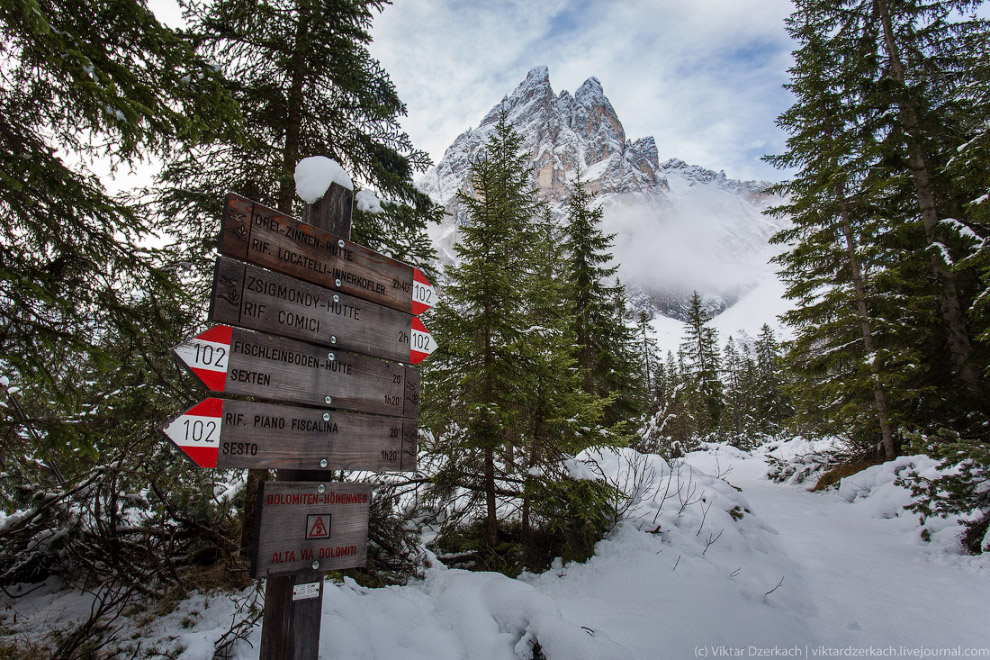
711,560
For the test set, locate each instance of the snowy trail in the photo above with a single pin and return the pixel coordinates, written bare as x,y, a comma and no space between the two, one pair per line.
689,573
869,579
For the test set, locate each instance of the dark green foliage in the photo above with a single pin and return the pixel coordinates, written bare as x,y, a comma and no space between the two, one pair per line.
962,489
88,316
307,86
572,516
503,395
740,417
481,321
888,263
607,348
702,363
884,95
83,80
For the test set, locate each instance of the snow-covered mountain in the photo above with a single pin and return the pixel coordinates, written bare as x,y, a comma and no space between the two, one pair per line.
679,227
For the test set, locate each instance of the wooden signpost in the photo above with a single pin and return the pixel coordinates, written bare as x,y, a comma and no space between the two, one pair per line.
219,433
332,326
241,362
259,299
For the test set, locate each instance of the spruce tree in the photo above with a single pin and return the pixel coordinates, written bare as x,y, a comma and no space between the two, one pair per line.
741,386
606,345
771,404
830,271
702,360
89,311
307,86
652,366
84,81
559,419
885,96
475,386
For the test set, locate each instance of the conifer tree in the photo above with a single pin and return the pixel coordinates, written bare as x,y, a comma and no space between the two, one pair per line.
652,365
740,417
702,361
830,224
559,418
307,86
475,387
606,345
884,97
88,312
83,81
771,405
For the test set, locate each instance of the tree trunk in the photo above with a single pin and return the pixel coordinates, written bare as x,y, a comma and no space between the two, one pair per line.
491,531
879,397
293,123
488,436
960,346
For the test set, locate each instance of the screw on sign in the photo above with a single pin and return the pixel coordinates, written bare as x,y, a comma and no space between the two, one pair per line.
258,299
250,434
241,362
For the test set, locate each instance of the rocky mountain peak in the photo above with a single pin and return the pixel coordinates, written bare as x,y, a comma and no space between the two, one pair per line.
567,136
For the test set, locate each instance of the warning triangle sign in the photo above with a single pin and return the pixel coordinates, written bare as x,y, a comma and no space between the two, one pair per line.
318,527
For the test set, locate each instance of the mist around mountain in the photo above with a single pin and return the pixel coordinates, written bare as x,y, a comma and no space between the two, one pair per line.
679,227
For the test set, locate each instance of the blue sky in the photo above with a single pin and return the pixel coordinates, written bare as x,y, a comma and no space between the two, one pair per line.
703,77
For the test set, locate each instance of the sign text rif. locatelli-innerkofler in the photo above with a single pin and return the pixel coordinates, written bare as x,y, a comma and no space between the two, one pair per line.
268,238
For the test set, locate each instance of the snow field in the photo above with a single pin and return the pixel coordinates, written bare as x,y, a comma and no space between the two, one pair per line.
693,565
702,578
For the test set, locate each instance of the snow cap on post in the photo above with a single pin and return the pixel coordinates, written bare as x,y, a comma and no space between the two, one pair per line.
314,176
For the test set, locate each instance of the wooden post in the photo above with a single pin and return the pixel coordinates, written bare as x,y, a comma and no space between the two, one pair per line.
290,629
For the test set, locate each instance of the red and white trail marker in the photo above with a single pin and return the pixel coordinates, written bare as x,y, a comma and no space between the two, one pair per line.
424,296
421,342
197,432
207,355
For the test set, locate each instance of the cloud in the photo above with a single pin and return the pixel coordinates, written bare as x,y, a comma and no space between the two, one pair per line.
706,240
704,78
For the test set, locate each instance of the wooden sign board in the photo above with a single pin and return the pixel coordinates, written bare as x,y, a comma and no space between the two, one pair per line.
241,362
310,525
268,238
243,434
260,299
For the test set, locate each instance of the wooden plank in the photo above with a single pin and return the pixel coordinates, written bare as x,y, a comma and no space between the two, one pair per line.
227,433
267,301
305,525
291,624
241,362
263,236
